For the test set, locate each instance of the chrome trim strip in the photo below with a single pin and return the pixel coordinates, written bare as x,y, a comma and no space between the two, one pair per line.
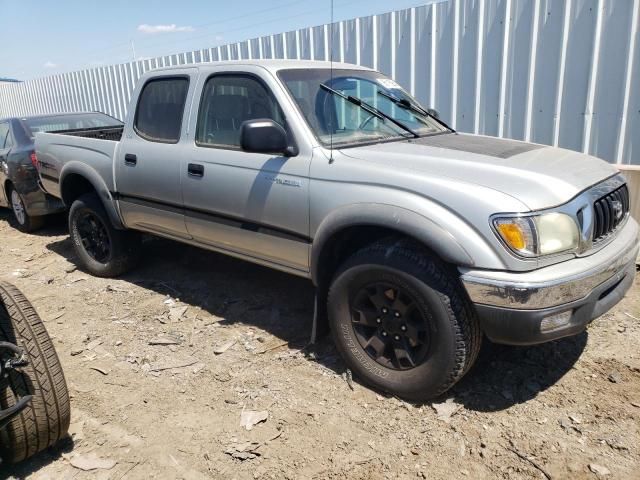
524,292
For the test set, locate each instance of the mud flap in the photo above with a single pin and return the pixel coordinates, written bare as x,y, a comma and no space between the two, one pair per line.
320,326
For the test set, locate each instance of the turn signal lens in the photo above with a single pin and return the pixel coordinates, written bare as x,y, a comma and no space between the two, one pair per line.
518,233
513,235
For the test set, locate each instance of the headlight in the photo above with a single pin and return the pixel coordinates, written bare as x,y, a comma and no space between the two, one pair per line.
538,235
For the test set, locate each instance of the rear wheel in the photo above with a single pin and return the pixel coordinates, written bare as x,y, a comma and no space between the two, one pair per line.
45,420
25,222
401,321
103,250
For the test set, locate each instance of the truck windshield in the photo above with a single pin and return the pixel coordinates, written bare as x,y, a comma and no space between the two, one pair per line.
72,121
339,119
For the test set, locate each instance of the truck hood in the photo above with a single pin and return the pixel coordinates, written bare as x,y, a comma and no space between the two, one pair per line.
537,175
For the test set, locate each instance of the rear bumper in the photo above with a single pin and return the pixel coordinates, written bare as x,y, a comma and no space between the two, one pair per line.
555,301
36,201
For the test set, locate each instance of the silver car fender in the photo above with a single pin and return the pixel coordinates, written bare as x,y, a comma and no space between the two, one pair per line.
83,170
425,230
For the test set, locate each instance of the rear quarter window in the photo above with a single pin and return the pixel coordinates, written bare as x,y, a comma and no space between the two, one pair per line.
160,109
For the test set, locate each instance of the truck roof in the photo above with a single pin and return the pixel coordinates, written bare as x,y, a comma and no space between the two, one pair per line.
50,115
272,65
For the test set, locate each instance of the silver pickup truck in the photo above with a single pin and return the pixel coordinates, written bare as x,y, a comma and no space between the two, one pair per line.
419,240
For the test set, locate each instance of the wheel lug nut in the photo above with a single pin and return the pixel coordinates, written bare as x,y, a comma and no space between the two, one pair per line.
403,328
396,314
397,337
384,310
378,320
384,334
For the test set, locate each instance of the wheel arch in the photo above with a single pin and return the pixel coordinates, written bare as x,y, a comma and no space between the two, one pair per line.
350,228
77,179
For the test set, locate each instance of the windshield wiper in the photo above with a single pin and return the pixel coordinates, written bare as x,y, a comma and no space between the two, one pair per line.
368,108
404,103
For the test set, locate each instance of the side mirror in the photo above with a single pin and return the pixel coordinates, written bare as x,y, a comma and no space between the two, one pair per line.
265,136
433,112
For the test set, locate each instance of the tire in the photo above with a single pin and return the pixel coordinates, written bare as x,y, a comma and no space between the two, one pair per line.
437,333
46,419
24,222
116,251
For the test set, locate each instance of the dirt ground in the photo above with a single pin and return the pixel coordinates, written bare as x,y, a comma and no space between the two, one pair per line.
162,362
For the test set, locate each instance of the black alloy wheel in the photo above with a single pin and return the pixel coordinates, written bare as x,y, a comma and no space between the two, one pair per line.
401,319
94,236
390,326
102,249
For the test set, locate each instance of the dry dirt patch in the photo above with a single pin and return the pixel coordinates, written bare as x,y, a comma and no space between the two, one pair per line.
163,362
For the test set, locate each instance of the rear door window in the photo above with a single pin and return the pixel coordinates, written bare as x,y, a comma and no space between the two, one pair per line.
160,109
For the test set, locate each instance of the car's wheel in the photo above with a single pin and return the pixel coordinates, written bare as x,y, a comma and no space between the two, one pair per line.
103,250
401,321
45,420
24,222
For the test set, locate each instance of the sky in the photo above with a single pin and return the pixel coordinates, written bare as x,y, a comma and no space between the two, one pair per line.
40,38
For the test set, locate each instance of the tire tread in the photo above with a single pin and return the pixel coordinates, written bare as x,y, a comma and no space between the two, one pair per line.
440,277
46,419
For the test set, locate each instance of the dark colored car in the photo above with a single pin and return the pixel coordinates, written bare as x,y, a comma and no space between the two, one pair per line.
19,183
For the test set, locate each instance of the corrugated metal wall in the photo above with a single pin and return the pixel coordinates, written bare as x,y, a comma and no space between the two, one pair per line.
559,72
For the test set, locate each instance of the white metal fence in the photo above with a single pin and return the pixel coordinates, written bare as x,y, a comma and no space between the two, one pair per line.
558,72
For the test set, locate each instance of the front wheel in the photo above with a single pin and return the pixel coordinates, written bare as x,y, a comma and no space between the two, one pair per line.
25,222
401,321
103,250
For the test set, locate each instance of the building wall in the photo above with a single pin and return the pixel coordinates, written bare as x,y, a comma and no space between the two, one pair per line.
557,72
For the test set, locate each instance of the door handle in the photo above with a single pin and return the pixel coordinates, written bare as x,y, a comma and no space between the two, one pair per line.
130,159
195,170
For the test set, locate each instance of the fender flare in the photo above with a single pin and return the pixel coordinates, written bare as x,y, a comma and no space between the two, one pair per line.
400,219
98,184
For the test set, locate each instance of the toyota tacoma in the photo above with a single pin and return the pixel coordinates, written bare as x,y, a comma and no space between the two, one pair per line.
419,240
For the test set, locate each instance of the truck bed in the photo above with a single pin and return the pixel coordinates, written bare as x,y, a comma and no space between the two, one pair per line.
101,133
89,149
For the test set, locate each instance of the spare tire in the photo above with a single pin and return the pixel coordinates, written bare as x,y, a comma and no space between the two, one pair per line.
46,419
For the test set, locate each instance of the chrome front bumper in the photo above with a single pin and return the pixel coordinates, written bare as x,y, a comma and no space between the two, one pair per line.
555,301
557,284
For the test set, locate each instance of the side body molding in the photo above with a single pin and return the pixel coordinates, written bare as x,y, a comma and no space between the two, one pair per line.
95,179
402,220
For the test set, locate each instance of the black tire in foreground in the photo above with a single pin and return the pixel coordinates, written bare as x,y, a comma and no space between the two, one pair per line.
24,222
401,320
46,419
103,250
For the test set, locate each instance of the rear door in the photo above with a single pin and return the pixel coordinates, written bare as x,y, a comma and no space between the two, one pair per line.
5,147
148,179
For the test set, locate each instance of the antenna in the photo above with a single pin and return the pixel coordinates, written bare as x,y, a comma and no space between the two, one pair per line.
331,83
133,50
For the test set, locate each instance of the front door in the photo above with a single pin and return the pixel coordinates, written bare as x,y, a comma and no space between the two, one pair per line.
256,205
148,157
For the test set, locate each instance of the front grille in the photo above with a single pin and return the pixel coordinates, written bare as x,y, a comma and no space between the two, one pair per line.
609,212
